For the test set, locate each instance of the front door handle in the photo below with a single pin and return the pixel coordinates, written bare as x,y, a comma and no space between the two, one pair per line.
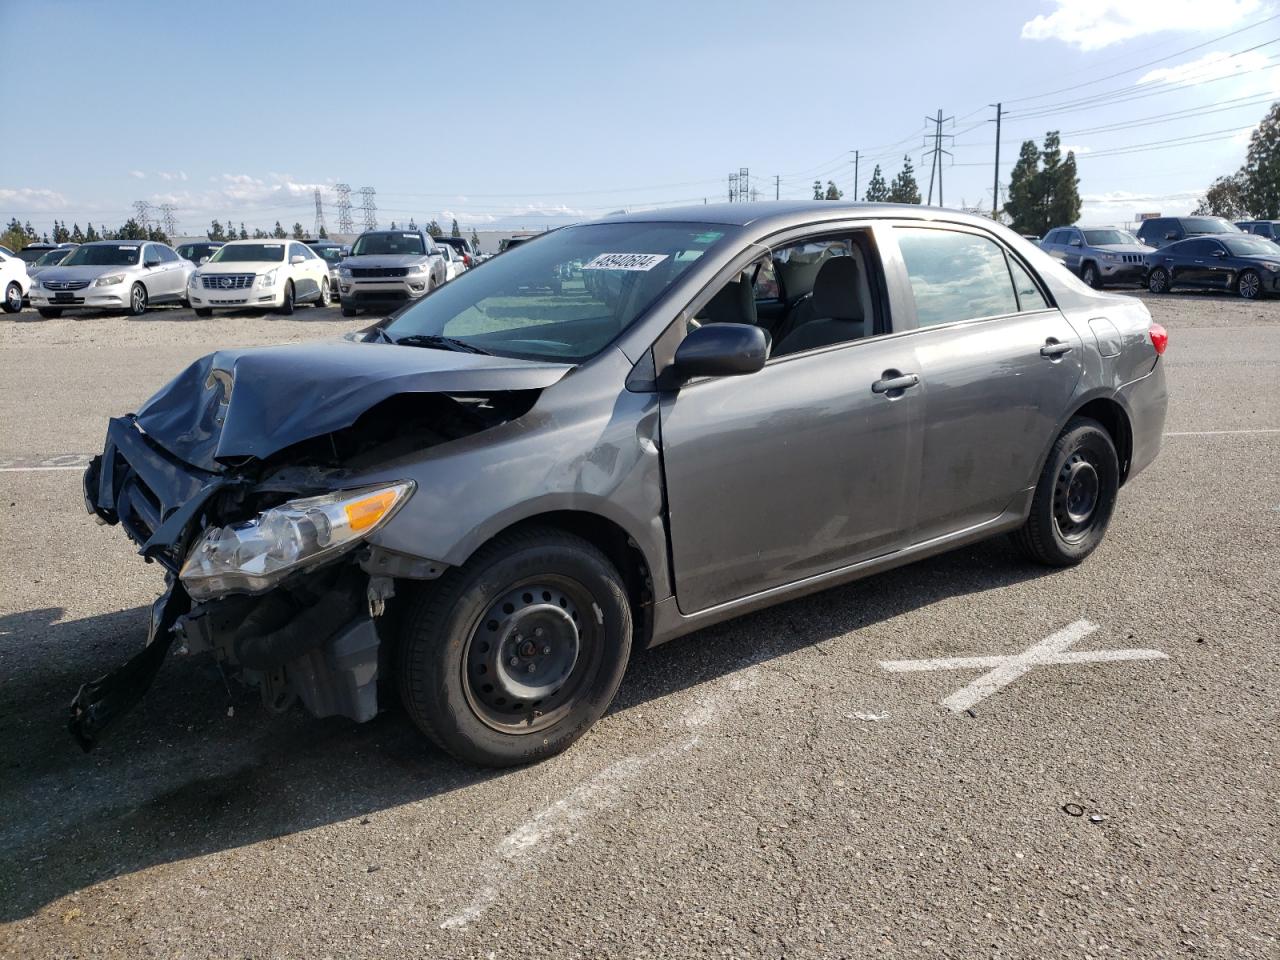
1053,349
894,382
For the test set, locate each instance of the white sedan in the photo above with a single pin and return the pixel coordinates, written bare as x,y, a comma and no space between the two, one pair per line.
13,281
262,274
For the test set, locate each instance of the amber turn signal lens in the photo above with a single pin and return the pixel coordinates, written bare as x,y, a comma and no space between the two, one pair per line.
363,514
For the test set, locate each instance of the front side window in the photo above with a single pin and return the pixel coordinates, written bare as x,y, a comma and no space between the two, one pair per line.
564,297
955,276
1103,238
249,253
105,255
330,254
1203,225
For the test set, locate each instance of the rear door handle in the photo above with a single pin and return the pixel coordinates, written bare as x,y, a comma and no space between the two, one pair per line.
1052,348
904,381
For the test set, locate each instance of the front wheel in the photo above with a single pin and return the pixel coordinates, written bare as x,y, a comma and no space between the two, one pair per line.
513,656
204,312
1249,285
1074,497
49,313
323,300
1091,276
137,300
286,306
1158,280
349,310
12,298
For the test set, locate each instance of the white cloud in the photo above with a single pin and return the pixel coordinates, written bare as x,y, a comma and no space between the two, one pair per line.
1122,206
137,174
1212,66
1094,24
1075,148
32,198
179,175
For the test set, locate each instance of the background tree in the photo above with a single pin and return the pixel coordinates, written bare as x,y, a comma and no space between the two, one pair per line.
393,226
412,225
833,192
433,228
877,189
278,233
215,231
323,234
475,240
904,188
454,231
1060,186
60,232
298,233
1261,172
1023,202
77,236
244,234
14,237
91,234
132,230
260,234
817,189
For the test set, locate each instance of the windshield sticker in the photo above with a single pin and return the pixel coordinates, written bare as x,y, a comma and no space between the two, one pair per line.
625,261
711,236
273,246
411,236
126,248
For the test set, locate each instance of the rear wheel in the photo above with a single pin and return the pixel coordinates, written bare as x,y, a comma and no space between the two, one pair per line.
1074,497
1249,285
1091,276
12,298
137,300
323,300
286,307
1158,280
513,656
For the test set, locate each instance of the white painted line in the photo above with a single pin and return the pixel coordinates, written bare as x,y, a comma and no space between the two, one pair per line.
78,469
1219,433
1005,670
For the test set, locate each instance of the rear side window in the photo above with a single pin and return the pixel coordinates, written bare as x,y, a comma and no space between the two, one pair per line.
955,276
1029,295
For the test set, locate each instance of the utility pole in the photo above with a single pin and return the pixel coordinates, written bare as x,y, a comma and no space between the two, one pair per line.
935,165
777,186
855,176
995,184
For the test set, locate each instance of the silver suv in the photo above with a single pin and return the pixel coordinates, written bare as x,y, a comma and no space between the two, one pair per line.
1099,255
388,267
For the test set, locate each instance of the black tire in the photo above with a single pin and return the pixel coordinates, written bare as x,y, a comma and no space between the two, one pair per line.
49,313
1074,498
1090,275
137,300
1249,284
12,298
1158,280
204,312
286,309
323,299
461,633
349,310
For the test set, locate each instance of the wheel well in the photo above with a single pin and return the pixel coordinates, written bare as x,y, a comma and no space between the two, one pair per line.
1112,416
616,544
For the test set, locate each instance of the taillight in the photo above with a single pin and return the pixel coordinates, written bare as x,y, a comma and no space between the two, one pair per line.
1159,338
466,259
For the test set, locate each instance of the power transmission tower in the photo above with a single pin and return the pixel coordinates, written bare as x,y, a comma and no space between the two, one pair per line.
368,209
936,155
319,214
995,185
733,188
169,218
744,184
142,213
343,190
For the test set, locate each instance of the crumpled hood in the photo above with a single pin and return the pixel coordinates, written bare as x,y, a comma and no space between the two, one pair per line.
238,404
387,260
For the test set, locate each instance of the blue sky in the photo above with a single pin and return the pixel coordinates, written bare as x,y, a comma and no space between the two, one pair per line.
509,113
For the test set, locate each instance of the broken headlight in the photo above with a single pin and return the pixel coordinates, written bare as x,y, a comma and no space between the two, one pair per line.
253,556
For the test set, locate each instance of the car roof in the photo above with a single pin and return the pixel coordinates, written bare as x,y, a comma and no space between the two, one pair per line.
113,243
785,213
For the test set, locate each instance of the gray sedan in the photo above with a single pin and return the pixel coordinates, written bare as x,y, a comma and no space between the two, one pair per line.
125,275
484,502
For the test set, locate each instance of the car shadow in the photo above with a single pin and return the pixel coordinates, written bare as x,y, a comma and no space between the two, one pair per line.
201,766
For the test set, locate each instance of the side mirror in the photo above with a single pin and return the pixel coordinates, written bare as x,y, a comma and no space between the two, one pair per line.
721,350
297,258
1171,236
1075,242
1220,254
202,261
151,262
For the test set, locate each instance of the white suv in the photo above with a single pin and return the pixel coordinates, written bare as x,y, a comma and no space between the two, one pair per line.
263,274
14,282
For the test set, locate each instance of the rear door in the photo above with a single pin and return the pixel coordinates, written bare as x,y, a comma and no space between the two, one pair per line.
998,364
793,471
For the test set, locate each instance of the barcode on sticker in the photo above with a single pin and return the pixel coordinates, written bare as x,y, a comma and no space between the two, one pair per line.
625,261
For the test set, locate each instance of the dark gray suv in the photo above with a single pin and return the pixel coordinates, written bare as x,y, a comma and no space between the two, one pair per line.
483,503
1162,231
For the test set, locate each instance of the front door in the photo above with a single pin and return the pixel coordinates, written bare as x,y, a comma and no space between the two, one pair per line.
789,472
997,365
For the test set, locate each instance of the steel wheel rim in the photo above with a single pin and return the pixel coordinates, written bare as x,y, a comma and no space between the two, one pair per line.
530,654
1076,495
1249,284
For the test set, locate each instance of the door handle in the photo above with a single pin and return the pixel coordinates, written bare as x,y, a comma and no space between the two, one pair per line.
1053,349
898,382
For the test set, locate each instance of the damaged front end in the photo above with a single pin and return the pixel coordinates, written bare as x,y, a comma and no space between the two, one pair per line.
237,478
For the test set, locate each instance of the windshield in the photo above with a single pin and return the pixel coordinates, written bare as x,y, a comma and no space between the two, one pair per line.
394,244
190,251
51,258
32,254
1208,225
1101,238
332,254
564,296
104,255
249,252
1251,247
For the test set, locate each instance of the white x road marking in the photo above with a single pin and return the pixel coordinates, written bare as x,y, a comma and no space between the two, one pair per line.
1005,670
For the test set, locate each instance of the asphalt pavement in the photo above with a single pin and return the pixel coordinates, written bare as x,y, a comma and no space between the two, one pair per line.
839,776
